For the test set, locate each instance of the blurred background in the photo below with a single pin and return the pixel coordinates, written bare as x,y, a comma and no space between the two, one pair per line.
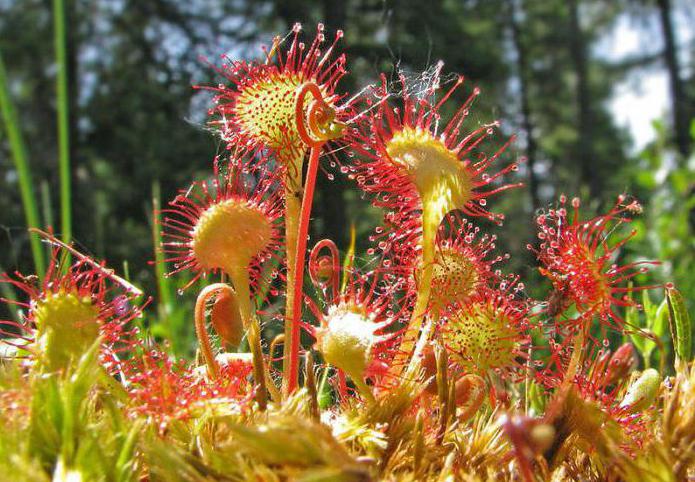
601,95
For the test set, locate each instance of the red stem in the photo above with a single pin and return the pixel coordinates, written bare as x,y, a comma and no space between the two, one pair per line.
310,120
304,218
314,259
342,385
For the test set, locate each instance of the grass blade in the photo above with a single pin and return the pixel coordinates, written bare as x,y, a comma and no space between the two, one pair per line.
46,211
19,156
681,327
63,120
8,294
163,283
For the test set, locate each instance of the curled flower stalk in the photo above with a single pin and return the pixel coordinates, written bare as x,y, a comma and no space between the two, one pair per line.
250,322
316,126
224,324
216,289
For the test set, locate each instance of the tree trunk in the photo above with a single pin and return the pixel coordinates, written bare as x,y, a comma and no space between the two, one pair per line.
678,99
577,46
527,124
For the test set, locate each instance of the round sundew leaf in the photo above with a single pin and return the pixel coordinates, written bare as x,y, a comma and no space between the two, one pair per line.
481,337
67,325
435,170
229,234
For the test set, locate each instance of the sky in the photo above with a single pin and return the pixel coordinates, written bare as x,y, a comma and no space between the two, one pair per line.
644,95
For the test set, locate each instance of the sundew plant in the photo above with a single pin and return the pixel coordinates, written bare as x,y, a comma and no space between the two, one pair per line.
421,359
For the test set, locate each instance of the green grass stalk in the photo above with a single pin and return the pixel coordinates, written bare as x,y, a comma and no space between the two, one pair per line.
19,156
8,294
46,211
163,283
62,103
